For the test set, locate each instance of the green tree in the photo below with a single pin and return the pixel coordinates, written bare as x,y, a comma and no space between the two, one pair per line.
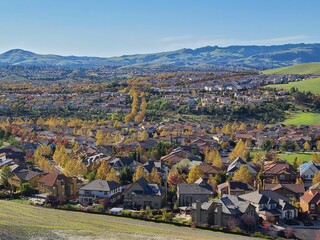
26,189
5,174
125,175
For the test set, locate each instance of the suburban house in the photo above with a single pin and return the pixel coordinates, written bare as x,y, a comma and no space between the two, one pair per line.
307,172
100,189
310,203
144,194
279,170
4,160
120,162
271,206
221,211
21,175
288,190
190,193
177,155
235,165
58,184
234,188
209,170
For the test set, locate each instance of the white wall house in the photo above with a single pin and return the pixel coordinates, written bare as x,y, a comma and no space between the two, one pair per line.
100,189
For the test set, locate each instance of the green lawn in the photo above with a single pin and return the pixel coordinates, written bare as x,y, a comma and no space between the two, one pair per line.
20,221
303,119
308,68
304,157
312,85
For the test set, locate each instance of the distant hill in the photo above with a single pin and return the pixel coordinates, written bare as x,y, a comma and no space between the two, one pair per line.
308,68
246,56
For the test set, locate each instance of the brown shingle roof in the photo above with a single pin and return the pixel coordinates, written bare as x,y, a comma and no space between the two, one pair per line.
311,196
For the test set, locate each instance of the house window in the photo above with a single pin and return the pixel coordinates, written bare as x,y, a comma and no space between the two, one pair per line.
282,176
312,206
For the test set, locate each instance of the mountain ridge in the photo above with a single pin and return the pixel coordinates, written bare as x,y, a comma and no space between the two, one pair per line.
253,56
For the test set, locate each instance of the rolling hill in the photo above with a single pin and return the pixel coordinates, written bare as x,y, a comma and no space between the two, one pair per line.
308,68
245,56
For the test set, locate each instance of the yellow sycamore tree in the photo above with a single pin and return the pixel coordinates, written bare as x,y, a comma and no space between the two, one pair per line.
138,173
155,176
194,174
243,174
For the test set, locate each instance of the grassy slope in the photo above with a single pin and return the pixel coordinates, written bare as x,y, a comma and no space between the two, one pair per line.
312,85
303,119
21,221
308,68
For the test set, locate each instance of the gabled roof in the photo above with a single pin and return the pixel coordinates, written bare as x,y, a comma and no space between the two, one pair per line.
186,188
51,178
101,185
295,188
147,188
277,167
25,175
311,196
308,165
257,198
232,205
236,186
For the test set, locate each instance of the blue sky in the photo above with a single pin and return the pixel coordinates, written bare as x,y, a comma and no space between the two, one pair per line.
116,27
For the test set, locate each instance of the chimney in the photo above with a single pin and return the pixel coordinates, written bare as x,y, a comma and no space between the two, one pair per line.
198,213
218,219
255,184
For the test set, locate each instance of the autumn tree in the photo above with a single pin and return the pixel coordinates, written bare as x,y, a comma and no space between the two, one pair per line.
102,170
260,126
155,176
143,136
138,173
318,145
299,181
174,178
194,174
296,163
243,174
315,157
306,146
238,151
106,172
242,126
316,178
100,138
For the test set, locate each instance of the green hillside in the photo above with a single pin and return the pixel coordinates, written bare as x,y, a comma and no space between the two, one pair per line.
303,119
20,221
312,85
308,68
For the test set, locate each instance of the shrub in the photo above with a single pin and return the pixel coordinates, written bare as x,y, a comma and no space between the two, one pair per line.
98,208
157,217
237,230
126,213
